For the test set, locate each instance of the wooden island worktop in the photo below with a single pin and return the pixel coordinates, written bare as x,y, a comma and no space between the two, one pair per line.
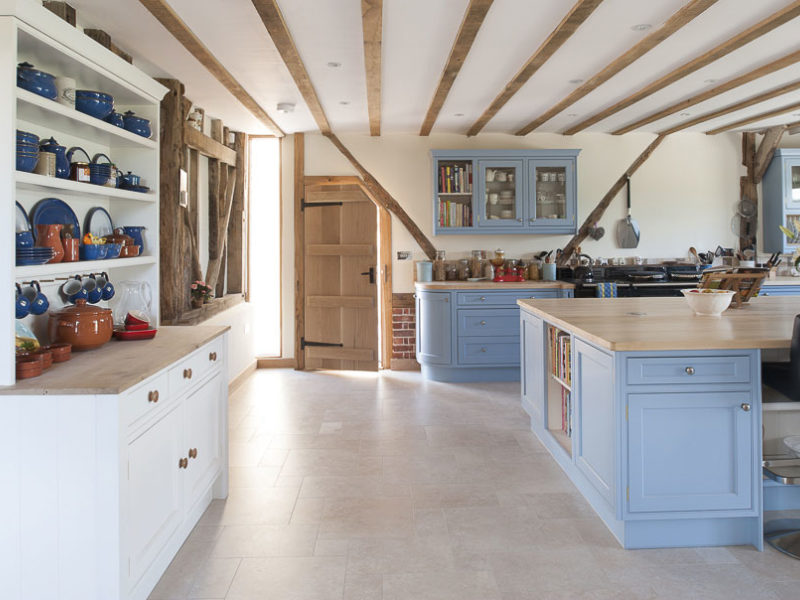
629,324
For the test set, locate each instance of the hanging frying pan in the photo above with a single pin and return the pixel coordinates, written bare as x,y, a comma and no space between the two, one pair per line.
627,228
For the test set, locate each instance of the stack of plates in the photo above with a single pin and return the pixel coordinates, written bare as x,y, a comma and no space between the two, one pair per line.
33,256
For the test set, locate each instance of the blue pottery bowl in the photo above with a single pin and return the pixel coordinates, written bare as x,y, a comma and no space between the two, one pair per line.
92,251
95,104
115,119
35,81
26,162
28,138
99,173
137,125
113,250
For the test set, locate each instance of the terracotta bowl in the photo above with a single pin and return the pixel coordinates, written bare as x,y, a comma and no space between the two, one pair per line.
29,366
47,357
60,352
129,251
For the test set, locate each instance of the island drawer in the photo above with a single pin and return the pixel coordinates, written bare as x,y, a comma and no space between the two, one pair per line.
688,370
504,321
146,400
501,298
482,351
195,367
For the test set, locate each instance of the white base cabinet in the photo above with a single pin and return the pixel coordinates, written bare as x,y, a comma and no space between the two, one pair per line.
102,490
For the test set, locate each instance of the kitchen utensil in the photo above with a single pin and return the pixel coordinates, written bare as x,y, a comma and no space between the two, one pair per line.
100,173
105,286
129,251
493,198
47,357
137,125
24,239
61,352
135,298
95,104
98,222
51,211
22,306
65,88
92,251
79,170
29,366
35,81
707,301
49,236
33,256
38,301
71,249
129,180
693,252
72,290
596,232
747,208
627,228
26,161
424,270
113,250
85,327
93,294
142,334
62,163
46,164
549,271
27,137
115,119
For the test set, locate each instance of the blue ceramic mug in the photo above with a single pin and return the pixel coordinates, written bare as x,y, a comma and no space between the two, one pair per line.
72,290
22,306
93,292
105,286
38,301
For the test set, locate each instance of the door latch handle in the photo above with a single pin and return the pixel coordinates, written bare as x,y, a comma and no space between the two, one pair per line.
371,274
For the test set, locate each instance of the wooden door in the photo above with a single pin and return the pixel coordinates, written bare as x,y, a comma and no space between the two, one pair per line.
341,279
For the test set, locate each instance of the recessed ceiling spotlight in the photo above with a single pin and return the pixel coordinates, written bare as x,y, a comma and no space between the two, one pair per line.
796,114
285,107
641,27
576,80
572,114
686,114
333,64
710,81
344,102
458,115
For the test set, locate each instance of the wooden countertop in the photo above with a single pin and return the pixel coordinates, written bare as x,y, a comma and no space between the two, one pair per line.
491,285
116,366
629,324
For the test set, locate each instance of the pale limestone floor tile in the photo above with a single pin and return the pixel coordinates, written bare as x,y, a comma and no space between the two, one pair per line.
385,487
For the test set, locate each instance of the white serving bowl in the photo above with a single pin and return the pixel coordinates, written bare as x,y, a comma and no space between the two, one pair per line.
708,302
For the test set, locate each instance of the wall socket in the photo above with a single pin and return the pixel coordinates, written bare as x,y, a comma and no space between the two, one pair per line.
404,255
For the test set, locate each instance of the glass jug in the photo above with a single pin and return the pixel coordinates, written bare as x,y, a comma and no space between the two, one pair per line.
135,297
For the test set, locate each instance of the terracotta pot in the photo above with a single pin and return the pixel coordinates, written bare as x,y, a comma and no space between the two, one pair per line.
29,368
60,352
49,236
84,326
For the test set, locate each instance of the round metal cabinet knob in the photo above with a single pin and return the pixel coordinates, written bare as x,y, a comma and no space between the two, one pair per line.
483,322
690,370
745,406
483,349
483,298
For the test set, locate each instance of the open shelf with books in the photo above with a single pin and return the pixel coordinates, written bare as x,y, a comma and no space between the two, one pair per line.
559,418
454,193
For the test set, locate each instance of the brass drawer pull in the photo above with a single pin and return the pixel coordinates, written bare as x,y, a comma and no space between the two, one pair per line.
212,356
187,373
152,396
192,452
183,463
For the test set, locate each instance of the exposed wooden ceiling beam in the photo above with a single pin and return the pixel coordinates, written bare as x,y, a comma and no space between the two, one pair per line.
473,18
683,16
784,89
748,35
568,25
372,23
775,65
766,150
273,20
175,25
760,117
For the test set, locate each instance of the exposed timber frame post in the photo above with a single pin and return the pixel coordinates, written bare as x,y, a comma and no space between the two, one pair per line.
384,199
600,209
299,252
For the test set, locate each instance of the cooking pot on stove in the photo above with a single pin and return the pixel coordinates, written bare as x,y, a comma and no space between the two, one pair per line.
584,273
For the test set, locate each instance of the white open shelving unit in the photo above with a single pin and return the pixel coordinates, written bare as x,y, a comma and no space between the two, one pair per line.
28,32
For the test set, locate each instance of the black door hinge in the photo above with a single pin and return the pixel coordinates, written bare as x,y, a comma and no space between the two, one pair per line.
304,204
304,343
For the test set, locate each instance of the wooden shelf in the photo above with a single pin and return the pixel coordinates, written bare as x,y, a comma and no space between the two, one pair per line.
35,108
455,193
81,266
32,181
561,382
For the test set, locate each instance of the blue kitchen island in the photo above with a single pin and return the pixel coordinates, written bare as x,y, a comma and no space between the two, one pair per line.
653,412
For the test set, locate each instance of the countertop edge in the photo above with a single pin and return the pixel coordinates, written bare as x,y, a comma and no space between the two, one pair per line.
492,285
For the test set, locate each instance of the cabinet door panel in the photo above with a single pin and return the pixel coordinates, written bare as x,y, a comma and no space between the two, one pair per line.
551,196
690,451
791,171
532,377
595,431
500,193
203,417
435,326
155,507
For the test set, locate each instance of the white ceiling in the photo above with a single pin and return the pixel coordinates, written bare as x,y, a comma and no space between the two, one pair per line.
417,38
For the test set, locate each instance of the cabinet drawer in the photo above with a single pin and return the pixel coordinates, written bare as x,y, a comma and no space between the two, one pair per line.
482,351
779,290
689,370
146,400
195,367
488,322
501,298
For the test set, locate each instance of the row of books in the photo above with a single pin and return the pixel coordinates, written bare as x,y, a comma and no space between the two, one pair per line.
454,214
560,352
566,411
454,179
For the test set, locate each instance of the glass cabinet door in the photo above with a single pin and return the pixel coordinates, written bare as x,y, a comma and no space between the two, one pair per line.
793,183
551,201
501,193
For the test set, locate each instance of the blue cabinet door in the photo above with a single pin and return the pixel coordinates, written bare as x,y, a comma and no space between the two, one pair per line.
791,183
434,327
500,194
594,439
532,377
690,451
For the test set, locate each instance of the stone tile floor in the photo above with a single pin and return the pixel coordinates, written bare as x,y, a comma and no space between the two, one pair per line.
359,486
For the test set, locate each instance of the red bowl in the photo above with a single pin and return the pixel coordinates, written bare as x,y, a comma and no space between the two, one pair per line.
136,318
136,326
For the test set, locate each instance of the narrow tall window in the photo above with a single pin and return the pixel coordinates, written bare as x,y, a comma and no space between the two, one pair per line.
265,244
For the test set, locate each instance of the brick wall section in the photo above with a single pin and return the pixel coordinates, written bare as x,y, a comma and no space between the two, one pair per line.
404,337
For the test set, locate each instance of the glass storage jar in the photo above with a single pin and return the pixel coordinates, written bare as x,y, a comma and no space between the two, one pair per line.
439,266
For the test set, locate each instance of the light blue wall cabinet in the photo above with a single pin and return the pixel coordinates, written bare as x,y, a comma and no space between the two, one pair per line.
505,191
472,335
781,186
664,445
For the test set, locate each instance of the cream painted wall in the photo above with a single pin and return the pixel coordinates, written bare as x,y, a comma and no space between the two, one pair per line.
684,195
